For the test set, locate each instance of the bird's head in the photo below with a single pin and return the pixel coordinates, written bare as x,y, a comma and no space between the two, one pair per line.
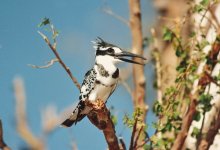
109,53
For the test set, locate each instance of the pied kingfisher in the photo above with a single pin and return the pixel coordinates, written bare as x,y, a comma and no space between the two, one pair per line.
101,81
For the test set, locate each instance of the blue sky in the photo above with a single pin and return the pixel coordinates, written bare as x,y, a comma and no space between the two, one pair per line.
79,22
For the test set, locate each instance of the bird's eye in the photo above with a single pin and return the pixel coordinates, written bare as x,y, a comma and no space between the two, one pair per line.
111,50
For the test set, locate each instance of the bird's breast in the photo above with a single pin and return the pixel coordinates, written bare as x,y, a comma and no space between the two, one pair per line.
102,90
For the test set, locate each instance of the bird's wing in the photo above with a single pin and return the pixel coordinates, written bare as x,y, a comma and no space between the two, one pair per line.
88,84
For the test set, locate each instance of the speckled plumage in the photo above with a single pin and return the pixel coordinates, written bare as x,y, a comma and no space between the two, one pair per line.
92,89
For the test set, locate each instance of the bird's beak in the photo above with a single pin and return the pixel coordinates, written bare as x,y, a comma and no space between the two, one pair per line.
122,56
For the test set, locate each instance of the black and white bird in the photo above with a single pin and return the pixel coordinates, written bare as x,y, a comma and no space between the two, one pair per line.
101,81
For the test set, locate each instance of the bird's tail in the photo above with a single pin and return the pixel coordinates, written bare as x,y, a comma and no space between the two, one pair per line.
69,122
77,115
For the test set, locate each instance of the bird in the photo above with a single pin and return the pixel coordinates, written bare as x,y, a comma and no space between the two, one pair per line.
100,81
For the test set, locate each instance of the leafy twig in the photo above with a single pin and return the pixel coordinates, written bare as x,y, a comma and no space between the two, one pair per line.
138,135
133,134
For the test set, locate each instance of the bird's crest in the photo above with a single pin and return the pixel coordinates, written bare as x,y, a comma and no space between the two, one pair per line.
99,42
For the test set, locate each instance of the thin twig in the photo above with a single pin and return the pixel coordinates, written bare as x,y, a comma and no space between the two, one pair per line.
122,143
53,48
138,135
199,139
120,18
127,87
49,64
133,134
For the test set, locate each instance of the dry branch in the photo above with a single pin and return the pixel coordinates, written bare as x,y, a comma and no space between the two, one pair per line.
3,145
138,71
49,63
53,48
22,124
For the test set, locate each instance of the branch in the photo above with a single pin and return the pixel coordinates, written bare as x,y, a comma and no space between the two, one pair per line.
3,145
214,17
49,64
22,125
210,136
133,135
53,48
100,117
138,70
157,66
203,82
122,143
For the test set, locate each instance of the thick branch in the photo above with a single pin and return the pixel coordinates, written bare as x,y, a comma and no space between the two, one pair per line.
100,117
3,145
187,120
138,70
203,82
210,136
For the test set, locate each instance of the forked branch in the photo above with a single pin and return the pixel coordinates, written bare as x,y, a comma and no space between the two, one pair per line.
53,48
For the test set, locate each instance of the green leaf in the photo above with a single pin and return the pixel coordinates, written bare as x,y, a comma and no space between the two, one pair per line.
197,116
167,34
114,119
195,132
193,68
204,2
157,108
182,66
44,22
179,51
147,147
205,100
192,34
168,127
204,43
198,8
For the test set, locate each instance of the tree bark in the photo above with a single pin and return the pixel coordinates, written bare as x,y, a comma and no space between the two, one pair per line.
100,117
138,70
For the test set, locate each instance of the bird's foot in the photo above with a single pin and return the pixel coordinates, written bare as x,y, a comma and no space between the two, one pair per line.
98,104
